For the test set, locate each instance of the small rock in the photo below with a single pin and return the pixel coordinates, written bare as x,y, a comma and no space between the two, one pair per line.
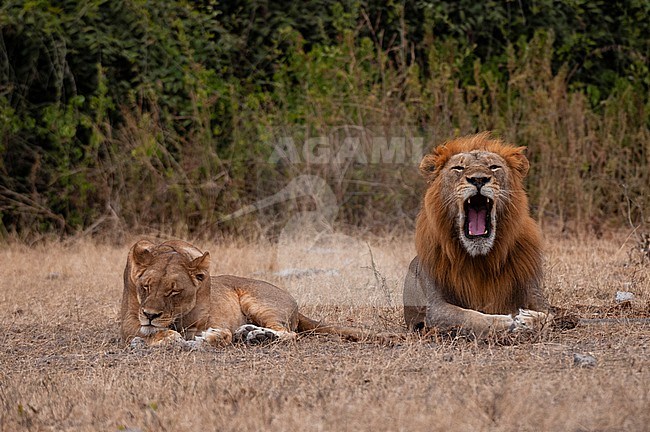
53,276
624,296
584,360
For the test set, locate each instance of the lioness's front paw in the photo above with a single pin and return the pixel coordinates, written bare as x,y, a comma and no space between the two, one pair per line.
528,320
215,337
167,337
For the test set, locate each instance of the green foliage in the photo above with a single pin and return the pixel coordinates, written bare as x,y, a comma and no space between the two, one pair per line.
137,114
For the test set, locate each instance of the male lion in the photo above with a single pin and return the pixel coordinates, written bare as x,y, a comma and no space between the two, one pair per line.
478,267
169,296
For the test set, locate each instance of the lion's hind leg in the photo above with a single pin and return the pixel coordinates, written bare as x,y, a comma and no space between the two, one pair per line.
269,310
252,334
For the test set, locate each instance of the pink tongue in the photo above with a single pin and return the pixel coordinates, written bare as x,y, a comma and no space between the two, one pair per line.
477,221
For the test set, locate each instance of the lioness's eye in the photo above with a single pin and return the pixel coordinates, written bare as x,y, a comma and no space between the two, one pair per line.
173,293
495,167
458,168
145,287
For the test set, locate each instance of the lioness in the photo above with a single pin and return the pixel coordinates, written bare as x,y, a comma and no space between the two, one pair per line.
479,261
169,296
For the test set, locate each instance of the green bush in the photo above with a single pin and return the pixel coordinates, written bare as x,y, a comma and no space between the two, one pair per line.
139,115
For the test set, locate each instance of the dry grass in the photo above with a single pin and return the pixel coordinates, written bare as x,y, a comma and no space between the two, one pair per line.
63,367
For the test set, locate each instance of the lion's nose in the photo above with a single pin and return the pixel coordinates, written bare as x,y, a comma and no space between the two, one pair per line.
479,182
151,315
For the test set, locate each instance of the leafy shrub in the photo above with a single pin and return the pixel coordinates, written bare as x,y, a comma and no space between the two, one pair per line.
141,115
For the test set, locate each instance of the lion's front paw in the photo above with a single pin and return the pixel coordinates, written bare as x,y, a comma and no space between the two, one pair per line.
215,336
167,337
528,320
138,343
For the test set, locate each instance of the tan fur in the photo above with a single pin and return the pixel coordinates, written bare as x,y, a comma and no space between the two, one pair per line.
171,283
447,286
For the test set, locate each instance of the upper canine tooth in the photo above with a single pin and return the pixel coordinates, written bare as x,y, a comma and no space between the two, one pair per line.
469,200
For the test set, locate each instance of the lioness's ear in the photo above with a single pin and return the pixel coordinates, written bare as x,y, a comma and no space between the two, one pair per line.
428,167
519,161
200,267
142,253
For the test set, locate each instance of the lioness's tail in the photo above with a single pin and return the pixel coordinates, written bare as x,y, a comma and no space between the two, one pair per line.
306,324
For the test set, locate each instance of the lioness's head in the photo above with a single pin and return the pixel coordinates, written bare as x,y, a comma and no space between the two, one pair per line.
475,185
167,278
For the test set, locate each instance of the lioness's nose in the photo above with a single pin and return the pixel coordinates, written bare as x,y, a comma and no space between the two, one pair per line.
151,315
478,181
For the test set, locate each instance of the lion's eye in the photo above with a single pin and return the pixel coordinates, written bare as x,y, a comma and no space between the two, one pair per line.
173,293
495,167
458,168
145,287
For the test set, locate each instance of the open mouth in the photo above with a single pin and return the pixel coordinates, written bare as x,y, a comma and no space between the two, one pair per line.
477,216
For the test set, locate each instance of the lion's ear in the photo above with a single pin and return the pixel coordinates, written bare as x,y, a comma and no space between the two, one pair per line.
428,167
434,161
519,161
200,267
142,253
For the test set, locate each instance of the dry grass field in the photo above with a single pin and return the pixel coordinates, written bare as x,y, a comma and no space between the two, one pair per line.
63,367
